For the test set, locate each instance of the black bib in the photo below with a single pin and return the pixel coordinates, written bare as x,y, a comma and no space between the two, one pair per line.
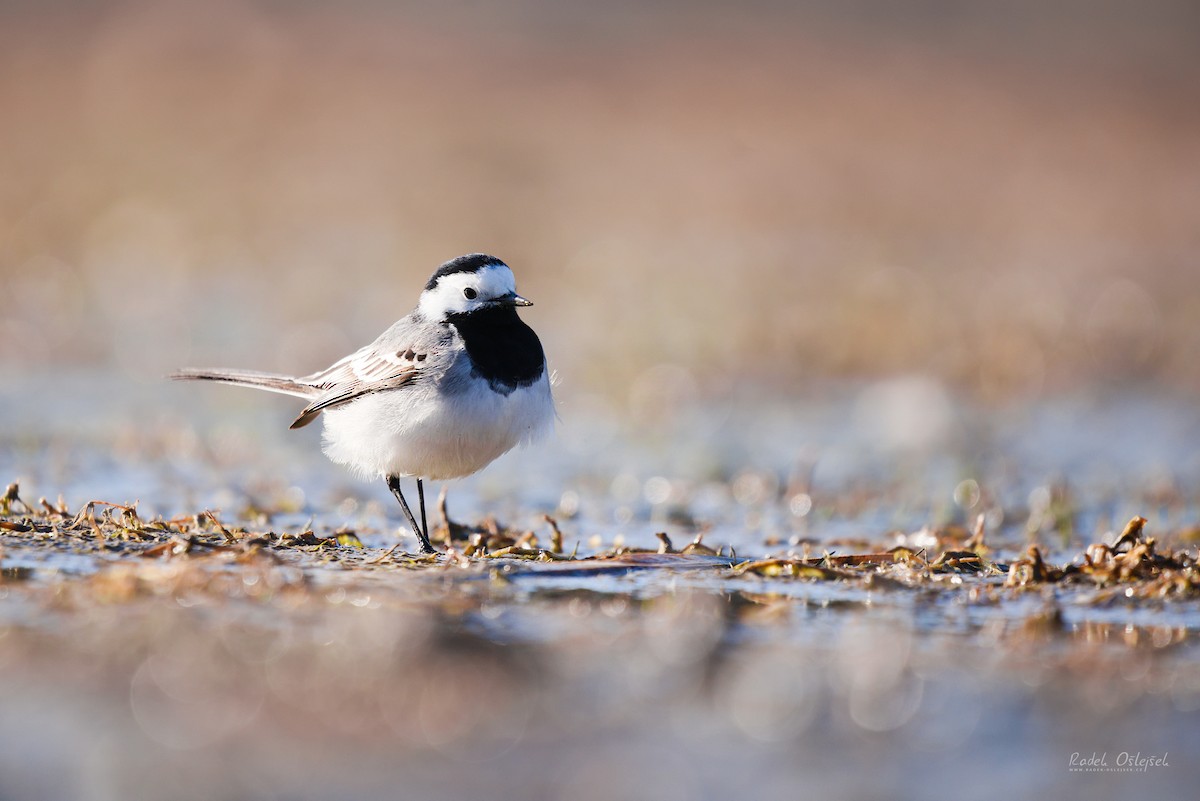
503,350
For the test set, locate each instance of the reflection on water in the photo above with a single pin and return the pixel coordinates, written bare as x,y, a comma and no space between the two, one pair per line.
443,685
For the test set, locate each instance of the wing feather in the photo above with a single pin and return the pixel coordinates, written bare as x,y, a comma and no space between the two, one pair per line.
370,369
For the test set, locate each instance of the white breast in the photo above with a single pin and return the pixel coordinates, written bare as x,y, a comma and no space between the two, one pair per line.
417,432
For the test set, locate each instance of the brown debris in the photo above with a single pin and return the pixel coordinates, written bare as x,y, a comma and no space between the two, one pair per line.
1132,562
12,496
1133,559
791,568
1132,535
960,562
1031,570
556,535
696,546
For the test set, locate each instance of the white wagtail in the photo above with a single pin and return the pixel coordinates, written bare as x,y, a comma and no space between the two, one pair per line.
454,384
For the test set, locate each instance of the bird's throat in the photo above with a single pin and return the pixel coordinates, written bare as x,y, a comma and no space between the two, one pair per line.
503,350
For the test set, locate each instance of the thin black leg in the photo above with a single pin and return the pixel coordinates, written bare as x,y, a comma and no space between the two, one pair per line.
393,483
421,498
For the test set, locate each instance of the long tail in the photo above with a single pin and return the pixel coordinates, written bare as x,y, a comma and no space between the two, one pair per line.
271,382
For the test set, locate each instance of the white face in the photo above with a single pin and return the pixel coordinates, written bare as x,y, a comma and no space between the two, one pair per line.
465,292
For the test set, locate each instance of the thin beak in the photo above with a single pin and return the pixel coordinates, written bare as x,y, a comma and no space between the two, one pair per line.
515,300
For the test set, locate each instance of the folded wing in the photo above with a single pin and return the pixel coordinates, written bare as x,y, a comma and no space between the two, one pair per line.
371,369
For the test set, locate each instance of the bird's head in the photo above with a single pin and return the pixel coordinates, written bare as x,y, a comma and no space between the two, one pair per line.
469,284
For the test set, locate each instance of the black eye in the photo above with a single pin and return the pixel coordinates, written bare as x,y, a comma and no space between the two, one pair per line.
469,293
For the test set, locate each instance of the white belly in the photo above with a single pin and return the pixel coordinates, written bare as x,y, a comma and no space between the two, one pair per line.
407,433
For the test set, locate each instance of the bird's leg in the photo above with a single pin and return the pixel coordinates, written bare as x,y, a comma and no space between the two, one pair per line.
421,498
393,483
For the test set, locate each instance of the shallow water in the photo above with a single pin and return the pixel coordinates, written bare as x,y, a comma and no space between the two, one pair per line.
872,458
338,671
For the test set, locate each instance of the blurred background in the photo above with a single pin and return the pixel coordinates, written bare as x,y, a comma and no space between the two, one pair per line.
758,197
840,275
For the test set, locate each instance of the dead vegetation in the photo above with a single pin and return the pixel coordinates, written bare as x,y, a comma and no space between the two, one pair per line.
119,539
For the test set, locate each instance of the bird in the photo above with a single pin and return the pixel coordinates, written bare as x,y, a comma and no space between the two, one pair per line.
442,393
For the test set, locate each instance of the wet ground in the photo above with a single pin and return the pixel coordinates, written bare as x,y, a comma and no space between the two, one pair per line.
830,596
